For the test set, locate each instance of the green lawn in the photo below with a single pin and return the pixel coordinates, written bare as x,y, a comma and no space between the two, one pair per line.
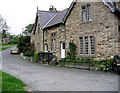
5,46
10,83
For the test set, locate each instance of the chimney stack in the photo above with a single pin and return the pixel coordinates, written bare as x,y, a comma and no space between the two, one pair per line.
52,9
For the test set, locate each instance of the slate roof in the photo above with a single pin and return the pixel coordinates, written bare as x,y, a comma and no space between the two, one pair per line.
111,6
58,18
48,19
44,17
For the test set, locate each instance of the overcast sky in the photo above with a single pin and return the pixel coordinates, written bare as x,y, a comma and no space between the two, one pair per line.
19,13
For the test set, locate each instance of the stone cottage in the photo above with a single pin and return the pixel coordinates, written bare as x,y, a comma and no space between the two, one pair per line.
93,26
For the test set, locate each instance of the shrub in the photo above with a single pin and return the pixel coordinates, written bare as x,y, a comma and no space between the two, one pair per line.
72,51
101,67
36,56
24,42
109,61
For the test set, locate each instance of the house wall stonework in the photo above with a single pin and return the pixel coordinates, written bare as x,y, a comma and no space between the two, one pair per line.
38,38
103,25
60,37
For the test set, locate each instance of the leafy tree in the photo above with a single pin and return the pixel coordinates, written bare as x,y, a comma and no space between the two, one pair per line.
28,29
14,39
24,43
24,46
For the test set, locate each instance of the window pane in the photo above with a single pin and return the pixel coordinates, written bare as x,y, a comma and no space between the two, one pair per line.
88,11
83,13
92,41
63,45
81,45
86,45
46,48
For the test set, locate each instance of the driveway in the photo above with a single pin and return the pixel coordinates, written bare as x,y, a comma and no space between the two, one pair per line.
41,77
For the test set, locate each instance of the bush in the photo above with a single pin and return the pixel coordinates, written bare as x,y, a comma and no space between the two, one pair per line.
24,42
109,61
36,54
101,67
72,51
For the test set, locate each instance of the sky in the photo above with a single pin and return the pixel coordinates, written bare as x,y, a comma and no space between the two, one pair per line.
20,13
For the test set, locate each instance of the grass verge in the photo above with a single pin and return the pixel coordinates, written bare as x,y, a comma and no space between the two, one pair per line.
5,46
11,84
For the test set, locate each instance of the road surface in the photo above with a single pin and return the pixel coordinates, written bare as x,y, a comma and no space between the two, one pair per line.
41,77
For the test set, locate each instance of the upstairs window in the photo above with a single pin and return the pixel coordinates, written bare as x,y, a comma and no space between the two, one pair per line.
86,12
83,13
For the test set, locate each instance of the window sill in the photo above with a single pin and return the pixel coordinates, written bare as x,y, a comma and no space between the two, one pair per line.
88,55
85,22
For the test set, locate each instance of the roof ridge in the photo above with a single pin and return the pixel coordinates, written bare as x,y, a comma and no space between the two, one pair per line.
46,11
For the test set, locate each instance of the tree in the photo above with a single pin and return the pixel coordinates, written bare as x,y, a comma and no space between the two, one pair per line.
3,27
24,46
14,39
28,29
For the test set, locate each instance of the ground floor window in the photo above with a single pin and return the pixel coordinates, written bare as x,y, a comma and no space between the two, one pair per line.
46,47
87,45
53,41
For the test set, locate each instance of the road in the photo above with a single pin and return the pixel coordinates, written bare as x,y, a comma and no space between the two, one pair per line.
41,77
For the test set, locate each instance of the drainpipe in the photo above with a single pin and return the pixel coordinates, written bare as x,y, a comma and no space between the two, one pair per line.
113,21
43,40
65,43
65,40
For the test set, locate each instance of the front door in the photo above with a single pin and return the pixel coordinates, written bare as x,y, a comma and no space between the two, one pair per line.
62,50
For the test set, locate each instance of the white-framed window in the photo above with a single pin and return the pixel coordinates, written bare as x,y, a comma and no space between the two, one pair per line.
86,12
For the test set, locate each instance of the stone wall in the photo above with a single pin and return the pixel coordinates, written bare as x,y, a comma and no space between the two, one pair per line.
59,38
103,25
38,39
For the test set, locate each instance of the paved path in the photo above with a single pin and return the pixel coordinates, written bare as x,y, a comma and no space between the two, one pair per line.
46,78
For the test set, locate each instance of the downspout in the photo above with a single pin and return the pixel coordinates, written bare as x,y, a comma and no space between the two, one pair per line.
65,44
43,40
113,23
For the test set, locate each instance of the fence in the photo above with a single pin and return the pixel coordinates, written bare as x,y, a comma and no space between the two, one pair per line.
45,57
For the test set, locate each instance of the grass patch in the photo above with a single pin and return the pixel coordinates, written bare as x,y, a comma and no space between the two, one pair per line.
5,46
10,83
